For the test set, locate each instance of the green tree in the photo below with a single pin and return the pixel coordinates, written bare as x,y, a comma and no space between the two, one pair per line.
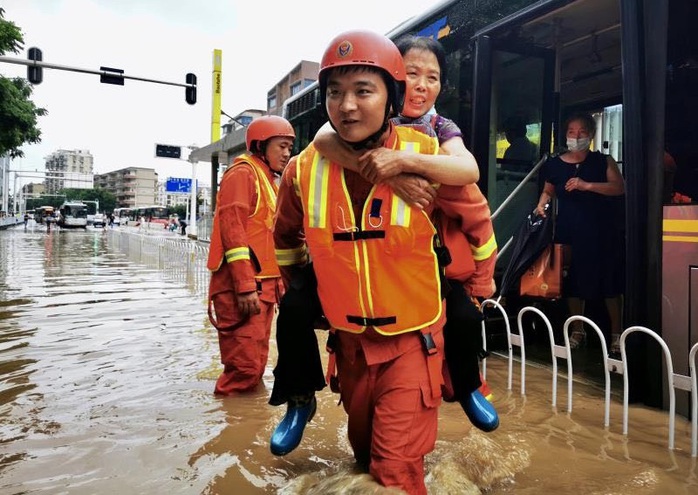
107,200
18,114
180,210
52,200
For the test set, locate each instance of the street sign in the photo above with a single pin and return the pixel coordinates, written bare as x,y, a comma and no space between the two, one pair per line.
178,185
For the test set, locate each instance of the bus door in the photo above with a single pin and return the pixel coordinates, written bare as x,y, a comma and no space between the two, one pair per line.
513,113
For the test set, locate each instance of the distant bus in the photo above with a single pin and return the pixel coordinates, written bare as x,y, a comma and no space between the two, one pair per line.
72,215
42,213
154,214
122,216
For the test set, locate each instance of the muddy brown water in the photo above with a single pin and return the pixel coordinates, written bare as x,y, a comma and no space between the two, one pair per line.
107,364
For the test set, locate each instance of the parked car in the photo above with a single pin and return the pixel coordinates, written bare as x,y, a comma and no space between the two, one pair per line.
98,220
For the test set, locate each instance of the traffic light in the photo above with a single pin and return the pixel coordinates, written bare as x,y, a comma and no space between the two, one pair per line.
190,91
110,75
167,151
35,74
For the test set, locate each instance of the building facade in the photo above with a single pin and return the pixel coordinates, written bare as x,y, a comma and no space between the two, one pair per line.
241,121
132,186
171,200
301,76
69,169
34,189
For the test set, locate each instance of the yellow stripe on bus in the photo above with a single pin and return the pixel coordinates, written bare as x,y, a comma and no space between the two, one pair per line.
681,226
680,238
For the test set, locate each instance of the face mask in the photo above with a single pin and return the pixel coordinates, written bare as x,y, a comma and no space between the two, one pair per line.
581,144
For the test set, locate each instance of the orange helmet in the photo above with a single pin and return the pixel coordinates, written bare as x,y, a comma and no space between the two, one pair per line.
370,49
263,128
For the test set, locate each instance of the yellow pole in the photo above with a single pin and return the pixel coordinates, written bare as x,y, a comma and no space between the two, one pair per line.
216,100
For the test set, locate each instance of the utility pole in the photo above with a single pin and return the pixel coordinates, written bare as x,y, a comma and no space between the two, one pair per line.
192,208
169,151
5,167
216,96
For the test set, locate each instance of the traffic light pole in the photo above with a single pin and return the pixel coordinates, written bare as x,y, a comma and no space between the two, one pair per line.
108,75
192,207
170,151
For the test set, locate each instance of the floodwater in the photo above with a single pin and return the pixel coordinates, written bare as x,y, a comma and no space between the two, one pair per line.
107,366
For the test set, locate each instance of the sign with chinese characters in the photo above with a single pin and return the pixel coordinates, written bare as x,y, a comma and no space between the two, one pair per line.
178,185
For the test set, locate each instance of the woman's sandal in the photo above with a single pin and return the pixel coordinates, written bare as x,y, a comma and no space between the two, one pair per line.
578,338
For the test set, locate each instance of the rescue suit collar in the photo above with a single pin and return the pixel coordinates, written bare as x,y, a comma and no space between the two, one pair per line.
263,159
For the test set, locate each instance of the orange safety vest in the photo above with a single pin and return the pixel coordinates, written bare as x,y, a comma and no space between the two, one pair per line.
259,236
380,270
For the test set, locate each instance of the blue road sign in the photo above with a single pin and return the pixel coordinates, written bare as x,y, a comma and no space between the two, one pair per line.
178,185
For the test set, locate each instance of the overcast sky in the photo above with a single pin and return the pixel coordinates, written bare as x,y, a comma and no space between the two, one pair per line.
261,41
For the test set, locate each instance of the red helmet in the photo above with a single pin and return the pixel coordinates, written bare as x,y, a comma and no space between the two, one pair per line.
366,48
263,128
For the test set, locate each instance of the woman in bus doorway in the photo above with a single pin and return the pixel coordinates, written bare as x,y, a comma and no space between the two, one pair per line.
585,183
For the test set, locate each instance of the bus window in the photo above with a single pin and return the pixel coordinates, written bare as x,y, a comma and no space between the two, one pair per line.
520,102
681,126
154,214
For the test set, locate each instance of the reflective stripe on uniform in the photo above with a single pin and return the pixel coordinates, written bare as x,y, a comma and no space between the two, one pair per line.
289,257
410,146
237,254
270,192
399,212
485,251
317,202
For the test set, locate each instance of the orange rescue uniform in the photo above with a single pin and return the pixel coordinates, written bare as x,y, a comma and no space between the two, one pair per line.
242,260
468,233
390,387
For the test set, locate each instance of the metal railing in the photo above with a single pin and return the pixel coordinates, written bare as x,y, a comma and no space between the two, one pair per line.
180,259
687,383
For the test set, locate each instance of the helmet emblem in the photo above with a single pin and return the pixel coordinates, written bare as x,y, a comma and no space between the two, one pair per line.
344,49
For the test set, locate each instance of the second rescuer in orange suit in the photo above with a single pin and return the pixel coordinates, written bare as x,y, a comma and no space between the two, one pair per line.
245,282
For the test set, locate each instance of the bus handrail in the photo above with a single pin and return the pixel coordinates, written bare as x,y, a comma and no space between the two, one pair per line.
520,186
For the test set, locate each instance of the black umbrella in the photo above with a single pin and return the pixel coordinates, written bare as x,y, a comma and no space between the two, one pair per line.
533,236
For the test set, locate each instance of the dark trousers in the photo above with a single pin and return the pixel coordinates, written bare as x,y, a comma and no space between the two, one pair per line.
462,340
298,368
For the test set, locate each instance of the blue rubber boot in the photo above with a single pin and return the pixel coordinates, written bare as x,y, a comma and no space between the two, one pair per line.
480,412
288,434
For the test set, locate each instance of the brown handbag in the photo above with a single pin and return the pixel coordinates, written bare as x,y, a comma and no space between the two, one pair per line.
544,277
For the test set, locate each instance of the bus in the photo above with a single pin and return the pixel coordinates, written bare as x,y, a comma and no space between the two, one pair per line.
632,64
43,214
122,216
72,215
154,214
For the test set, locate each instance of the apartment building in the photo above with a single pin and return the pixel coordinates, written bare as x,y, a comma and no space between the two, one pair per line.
132,186
301,76
69,169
